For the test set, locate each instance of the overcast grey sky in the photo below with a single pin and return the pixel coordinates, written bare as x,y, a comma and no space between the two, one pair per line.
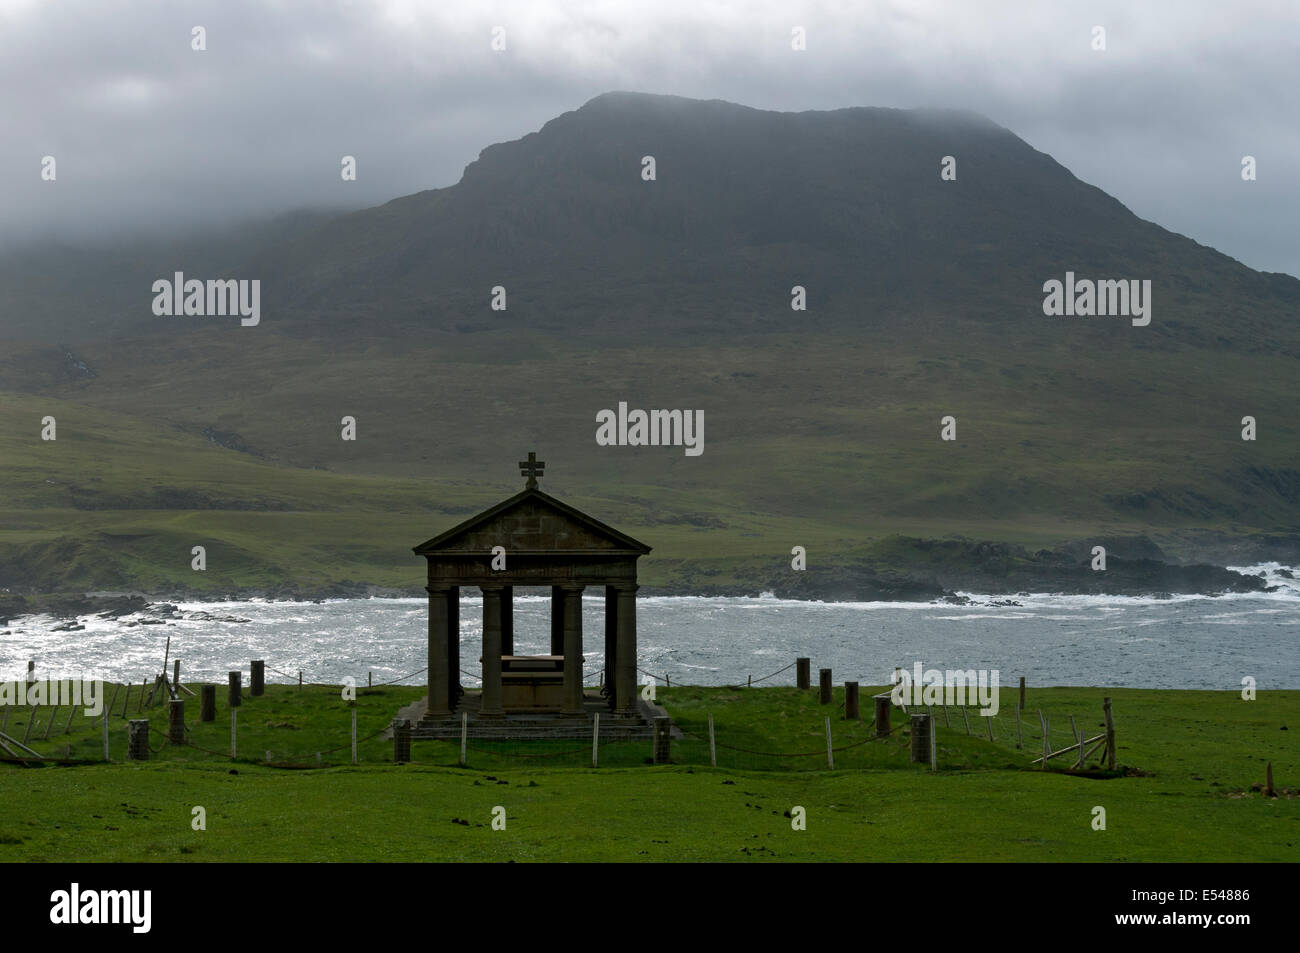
148,132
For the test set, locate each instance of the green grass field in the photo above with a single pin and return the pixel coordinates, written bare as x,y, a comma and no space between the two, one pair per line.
1187,761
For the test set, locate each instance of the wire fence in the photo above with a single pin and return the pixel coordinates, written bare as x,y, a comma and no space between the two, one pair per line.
291,674
816,737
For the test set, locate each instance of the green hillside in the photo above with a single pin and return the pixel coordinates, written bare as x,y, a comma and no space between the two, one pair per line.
822,427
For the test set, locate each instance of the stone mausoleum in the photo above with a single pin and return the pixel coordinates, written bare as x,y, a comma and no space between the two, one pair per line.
533,540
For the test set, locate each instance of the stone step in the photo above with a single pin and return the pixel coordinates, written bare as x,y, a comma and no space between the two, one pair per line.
530,734
534,726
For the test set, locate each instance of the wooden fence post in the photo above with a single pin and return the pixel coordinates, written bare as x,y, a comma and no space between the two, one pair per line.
802,673
234,717
67,725
144,687
1044,723
31,720
662,740
920,740
1022,692
824,688
207,702
851,701
109,710
401,740
257,678
1019,737
964,719
235,689
176,721
50,724
830,750
1110,734
127,700
882,704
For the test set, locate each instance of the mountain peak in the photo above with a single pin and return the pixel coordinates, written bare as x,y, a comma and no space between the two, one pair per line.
667,104
850,201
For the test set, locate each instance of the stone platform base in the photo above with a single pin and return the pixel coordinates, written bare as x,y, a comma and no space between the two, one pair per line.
534,725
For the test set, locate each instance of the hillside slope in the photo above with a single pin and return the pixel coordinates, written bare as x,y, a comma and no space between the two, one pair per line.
924,300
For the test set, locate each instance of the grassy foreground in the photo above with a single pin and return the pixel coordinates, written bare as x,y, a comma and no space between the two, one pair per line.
1187,762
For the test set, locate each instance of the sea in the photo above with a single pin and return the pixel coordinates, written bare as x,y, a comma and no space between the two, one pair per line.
1187,641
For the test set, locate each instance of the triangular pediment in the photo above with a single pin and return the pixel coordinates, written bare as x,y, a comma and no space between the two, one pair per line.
532,522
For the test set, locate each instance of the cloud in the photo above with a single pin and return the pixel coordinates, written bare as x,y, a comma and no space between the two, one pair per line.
150,133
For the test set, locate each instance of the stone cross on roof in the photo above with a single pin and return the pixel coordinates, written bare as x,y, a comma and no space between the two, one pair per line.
531,468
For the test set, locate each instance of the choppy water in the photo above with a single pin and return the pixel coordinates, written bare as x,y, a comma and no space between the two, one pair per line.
1183,642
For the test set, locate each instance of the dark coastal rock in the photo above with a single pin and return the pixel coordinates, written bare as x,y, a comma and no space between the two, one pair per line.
853,583
1122,547
963,565
126,605
201,616
69,605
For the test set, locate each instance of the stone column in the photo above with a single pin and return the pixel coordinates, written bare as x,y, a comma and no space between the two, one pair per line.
611,644
557,620
625,661
508,620
453,647
137,739
491,703
439,674
572,650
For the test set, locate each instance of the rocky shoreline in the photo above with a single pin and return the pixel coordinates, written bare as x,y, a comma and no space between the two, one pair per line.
1002,571
72,607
